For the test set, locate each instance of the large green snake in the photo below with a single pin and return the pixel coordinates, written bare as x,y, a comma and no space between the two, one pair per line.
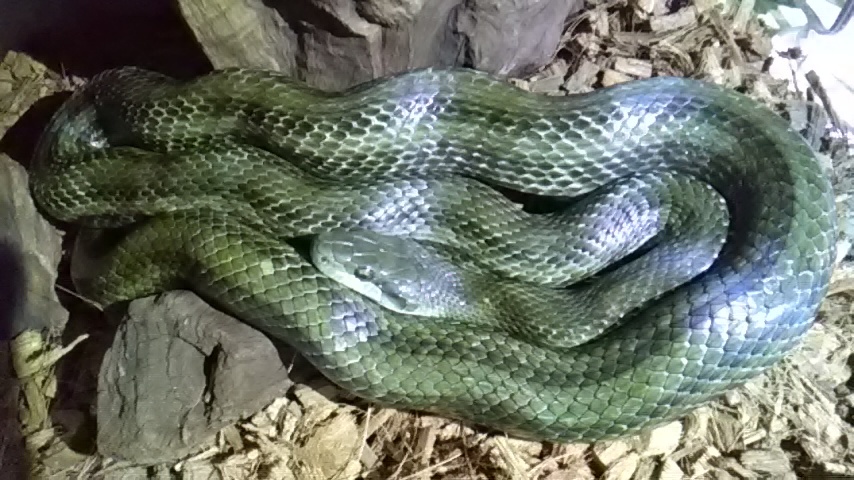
201,166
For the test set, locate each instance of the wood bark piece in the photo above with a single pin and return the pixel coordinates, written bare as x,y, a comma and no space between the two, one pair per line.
613,77
334,44
681,19
634,67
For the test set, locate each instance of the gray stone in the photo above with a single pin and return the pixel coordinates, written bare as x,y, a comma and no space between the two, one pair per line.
30,250
177,372
334,44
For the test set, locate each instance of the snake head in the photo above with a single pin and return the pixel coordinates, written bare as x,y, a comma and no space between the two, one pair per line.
72,130
397,272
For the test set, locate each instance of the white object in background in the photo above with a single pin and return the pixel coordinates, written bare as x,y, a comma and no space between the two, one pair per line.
830,56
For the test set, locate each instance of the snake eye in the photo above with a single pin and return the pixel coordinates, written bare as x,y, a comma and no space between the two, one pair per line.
400,303
364,273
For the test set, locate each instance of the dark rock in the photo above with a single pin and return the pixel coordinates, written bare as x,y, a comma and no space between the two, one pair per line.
30,249
339,43
178,371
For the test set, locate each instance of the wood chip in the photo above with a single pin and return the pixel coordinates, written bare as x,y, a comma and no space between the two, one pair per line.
635,38
646,467
599,22
670,470
662,440
613,77
634,67
703,6
660,8
607,453
623,469
711,64
680,19
583,78
547,85
743,15
645,6
424,442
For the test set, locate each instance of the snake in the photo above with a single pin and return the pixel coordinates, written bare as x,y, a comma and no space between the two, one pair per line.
233,184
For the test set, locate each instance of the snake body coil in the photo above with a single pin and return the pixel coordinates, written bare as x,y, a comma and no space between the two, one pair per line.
200,165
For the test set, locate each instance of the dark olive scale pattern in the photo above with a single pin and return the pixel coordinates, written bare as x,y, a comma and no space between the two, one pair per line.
217,234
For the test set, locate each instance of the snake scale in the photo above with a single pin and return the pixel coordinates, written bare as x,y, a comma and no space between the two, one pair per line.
201,171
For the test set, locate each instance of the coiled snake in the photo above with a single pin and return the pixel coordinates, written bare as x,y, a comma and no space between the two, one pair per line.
224,179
